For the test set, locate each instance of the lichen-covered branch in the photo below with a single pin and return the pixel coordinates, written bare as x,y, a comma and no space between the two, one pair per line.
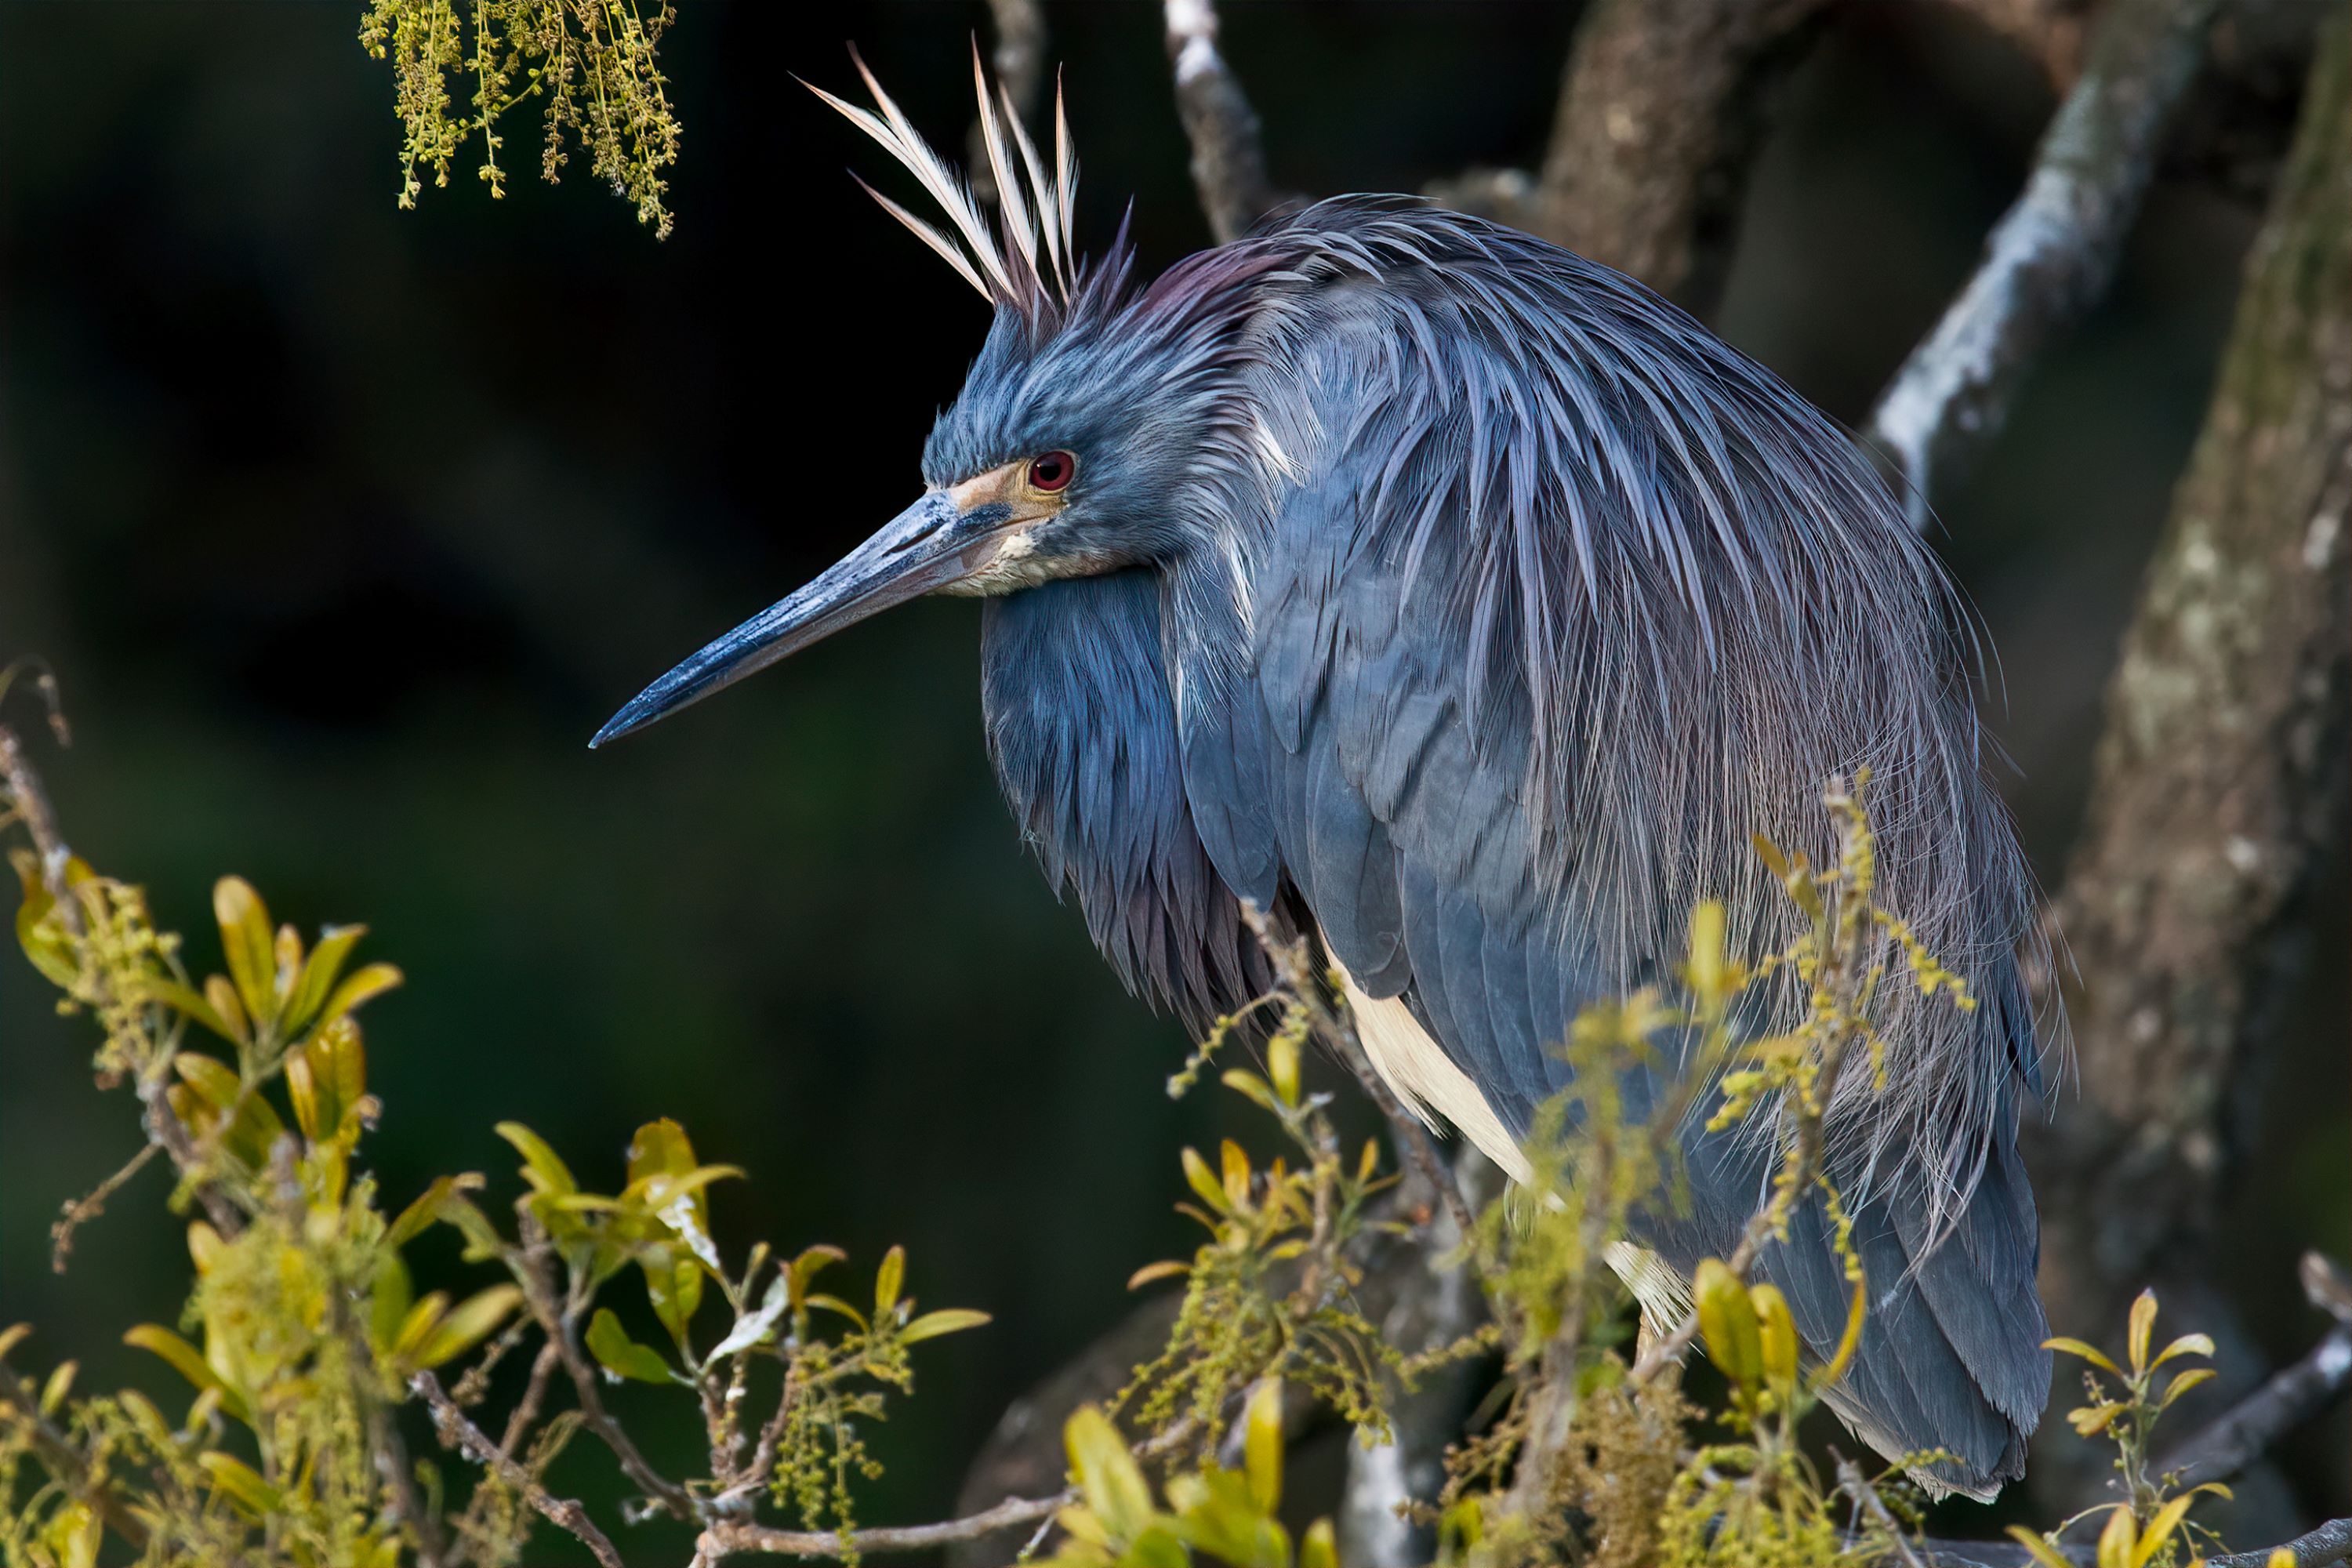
2219,777
1228,158
2050,256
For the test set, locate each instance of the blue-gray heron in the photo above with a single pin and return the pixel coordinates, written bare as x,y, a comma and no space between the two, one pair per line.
1472,605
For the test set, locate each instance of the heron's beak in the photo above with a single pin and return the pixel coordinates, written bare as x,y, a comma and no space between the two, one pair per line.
931,545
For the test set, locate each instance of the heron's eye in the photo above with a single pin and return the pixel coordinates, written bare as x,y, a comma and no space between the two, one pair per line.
1053,471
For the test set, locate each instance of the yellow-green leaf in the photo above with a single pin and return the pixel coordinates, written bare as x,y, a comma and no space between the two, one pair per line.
1727,1318
365,985
2089,1353
2143,1325
467,1324
1318,1548
1776,1336
246,941
2119,1541
2160,1526
946,1320
541,1167
2041,1550
805,1268
241,1483
1166,1268
60,1384
1108,1474
886,1281
621,1355
2183,1384
182,1000
190,1363
318,973
12,1336
72,1536
1203,1182
428,1207
1261,1442
834,1304
2186,1344
391,1296
1282,1067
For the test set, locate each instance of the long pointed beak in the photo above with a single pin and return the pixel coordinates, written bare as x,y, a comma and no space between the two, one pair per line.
927,546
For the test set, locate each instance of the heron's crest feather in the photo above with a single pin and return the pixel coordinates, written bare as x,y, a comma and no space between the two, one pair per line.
1029,262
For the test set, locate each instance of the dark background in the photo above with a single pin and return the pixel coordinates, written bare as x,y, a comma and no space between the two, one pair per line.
345,527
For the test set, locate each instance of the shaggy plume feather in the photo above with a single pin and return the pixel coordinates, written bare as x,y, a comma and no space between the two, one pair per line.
1035,208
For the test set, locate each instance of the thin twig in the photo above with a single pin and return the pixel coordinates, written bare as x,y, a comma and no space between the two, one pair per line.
563,1334
727,1536
31,803
78,1212
1865,1497
1336,1030
1228,161
458,1432
2052,253
64,1462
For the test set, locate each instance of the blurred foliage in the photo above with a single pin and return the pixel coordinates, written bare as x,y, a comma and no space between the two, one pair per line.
310,1334
591,63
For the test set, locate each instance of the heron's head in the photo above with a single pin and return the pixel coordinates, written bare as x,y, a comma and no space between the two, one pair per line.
1070,450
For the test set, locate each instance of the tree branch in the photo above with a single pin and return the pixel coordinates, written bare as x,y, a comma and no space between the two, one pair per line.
2329,1544
727,1537
1432,1306
1659,109
2219,779
2052,253
2247,1430
1228,161
458,1431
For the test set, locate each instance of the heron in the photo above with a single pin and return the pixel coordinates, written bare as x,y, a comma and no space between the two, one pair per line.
1470,605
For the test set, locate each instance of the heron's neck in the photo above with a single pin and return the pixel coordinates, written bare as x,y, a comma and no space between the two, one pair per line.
1082,732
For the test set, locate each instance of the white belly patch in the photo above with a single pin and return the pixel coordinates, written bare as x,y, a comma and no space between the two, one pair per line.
1422,1076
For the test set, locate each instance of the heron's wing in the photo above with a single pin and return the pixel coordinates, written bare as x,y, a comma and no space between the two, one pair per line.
1398,797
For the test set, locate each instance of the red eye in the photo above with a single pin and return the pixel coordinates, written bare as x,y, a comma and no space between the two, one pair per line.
1052,472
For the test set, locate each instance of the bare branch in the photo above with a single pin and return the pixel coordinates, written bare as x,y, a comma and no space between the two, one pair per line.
725,1538
1433,1306
2247,1430
2052,253
64,1462
2330,1543
31,804
458,1431
1865,1497
1228,161
561,1329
